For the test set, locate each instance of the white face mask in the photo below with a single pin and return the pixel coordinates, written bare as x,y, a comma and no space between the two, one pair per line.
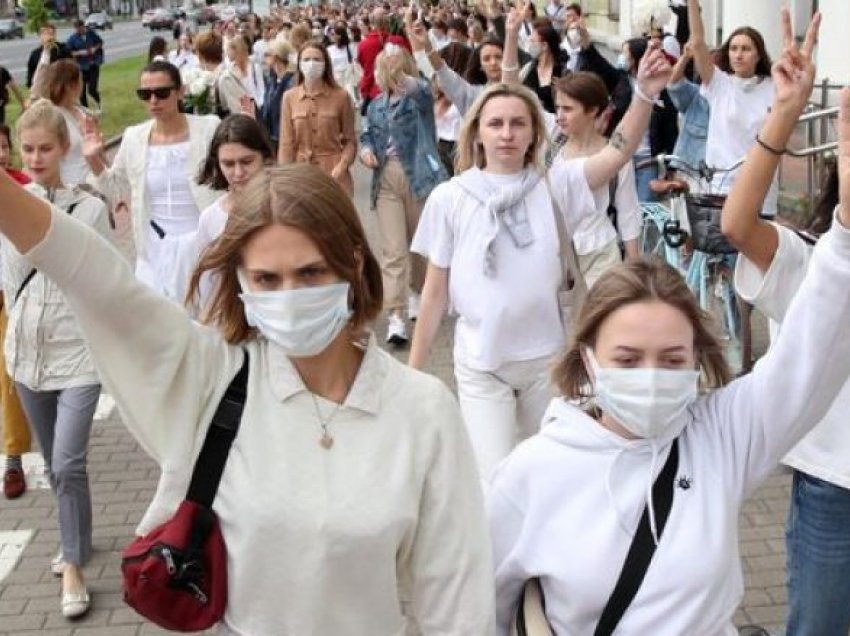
574,38
302,321
645,401
535,49
312,69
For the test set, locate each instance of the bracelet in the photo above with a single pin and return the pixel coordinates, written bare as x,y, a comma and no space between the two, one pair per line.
770,149
643,96
510,69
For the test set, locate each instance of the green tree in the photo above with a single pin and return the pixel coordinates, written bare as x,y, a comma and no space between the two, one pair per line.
37,14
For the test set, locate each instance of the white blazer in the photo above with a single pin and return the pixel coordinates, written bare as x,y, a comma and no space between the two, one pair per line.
128,170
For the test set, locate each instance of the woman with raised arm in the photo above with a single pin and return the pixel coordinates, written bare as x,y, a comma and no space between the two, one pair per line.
774,261
642,349
159,160
739,92
490,238
332,473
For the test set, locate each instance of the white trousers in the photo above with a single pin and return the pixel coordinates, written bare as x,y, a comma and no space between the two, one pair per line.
503,407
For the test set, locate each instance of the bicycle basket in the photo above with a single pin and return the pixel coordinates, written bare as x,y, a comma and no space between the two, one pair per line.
704,218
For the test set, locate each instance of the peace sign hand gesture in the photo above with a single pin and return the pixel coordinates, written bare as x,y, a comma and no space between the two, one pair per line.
794,72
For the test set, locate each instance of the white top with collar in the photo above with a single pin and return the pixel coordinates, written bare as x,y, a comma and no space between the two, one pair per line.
383,534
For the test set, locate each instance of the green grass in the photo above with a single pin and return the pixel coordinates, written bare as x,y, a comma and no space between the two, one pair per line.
121,107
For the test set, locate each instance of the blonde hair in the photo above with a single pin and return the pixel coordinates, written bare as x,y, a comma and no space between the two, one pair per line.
469,150
385,71
640,280
303,197
43,114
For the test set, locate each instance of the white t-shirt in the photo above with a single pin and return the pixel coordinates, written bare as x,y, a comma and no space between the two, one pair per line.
825,452
448,124
502,318
739,107
74,168
595,231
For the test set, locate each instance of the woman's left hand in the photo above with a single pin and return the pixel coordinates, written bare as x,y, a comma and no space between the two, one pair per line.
654,71
794,72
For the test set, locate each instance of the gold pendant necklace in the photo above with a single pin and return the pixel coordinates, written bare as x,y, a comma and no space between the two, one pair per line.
326,441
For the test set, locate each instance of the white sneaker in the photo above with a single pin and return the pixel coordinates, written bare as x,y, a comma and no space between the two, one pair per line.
396,330
57,565
413,305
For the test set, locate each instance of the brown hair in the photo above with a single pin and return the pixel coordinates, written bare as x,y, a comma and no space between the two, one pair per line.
586,88
208,46
300,35
469,150
635,281
303,197
764,63
60,77
234,129
327,74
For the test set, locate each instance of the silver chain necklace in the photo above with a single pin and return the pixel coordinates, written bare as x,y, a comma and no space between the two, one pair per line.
326,441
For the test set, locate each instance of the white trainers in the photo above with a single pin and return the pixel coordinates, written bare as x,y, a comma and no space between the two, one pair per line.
396,330
413,305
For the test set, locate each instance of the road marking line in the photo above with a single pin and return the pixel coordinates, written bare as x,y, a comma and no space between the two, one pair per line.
12,544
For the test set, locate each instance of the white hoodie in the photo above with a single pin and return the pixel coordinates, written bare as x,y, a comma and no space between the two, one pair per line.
565,504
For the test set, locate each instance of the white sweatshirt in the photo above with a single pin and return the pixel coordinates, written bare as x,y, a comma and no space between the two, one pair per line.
565,505
384,534
825,452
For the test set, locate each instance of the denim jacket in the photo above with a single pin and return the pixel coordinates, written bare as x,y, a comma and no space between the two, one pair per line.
695,110
410,124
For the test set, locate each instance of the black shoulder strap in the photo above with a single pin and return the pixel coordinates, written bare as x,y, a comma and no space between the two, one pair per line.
222,431
642,548
612,204
34,271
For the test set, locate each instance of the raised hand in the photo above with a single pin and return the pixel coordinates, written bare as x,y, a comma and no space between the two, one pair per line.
844,157
794,72
513,20
418,37
92,145
654,71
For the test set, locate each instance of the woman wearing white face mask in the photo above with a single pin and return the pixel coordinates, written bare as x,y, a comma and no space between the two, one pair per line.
565,506
332,473
548,62
317,122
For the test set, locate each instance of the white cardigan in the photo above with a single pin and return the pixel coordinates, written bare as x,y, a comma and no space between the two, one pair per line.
129,170
565,504
384,534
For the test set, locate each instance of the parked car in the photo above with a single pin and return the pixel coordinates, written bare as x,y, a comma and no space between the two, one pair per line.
99,20
10,28
161,19
147,16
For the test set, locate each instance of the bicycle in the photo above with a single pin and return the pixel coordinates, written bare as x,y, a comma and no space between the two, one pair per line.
684,230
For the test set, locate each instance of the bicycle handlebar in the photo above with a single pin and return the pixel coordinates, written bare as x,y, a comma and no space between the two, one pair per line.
703,171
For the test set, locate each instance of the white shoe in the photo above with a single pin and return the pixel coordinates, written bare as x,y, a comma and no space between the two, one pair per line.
75,604
396,330
57,565
413,305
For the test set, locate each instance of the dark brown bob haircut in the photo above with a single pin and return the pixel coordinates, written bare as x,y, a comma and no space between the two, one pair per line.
636,281
234,129
303,197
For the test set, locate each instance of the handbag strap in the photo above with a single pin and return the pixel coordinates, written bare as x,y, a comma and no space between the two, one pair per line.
222,431
643,547
572,278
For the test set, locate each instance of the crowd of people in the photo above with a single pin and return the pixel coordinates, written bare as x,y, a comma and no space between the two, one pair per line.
508,164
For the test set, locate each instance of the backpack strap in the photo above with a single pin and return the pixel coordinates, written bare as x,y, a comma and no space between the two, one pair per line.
28,278
222,431
612,205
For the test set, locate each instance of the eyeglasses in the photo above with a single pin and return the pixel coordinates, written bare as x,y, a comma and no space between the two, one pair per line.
161,92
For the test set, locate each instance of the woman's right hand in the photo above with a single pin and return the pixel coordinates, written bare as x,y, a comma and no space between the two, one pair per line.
93,144
513,21
418,37
369,159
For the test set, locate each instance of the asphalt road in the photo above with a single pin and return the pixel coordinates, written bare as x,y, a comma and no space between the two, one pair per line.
125,40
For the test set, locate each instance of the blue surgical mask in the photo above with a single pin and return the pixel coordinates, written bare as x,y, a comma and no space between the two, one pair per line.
622,63
302,321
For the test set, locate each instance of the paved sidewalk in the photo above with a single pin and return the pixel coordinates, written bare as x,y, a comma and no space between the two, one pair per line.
123,481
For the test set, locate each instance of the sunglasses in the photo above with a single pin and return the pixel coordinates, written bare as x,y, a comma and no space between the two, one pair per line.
162,92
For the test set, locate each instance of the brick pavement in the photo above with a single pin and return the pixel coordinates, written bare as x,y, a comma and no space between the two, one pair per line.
123,481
